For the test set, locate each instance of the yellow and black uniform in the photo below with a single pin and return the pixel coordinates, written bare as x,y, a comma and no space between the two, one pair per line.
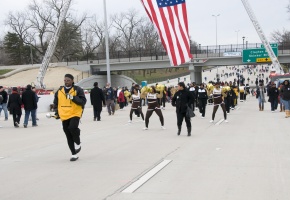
218,101
70,102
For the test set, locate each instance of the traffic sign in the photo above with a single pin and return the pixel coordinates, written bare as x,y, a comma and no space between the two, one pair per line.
263,60
272,45
251,55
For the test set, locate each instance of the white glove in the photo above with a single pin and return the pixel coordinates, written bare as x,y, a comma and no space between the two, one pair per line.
69,96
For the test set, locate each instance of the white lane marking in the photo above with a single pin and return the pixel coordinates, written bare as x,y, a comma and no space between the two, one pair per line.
134,186
219,122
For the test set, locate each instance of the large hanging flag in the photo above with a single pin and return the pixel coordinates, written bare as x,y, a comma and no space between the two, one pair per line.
170,19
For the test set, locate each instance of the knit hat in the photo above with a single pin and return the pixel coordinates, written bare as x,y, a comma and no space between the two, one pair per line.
69,76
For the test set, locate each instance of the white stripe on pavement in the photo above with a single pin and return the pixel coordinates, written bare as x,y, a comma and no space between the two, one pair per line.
134,186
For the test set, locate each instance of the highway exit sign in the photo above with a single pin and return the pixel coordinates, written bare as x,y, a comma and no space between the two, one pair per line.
263,60
251,55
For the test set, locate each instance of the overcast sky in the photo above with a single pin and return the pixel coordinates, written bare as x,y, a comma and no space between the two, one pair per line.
233,22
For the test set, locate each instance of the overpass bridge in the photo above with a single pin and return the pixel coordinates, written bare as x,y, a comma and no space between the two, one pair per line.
223,55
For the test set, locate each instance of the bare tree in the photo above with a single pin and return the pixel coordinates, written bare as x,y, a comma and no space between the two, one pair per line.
126,24
281,36
37,26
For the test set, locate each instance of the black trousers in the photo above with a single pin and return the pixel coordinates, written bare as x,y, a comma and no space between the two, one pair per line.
72,132
180,117
150,112
16,118
97,113
228,103
202,106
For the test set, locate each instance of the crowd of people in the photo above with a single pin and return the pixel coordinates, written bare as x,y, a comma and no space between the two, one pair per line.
69,102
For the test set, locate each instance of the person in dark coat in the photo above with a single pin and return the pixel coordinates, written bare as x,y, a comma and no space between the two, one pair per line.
181,99
3,103
14,106
273,97
97,100
30,106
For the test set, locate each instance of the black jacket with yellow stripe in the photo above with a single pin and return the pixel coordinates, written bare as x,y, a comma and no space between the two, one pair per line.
68,108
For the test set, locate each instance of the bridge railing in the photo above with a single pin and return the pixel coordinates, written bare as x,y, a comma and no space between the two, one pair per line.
152,54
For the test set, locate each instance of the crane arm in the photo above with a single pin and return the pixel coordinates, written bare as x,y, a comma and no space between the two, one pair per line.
51,46
263,38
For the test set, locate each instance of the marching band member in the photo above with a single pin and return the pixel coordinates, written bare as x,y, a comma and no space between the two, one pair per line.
136,104
202,99
218,100
153,106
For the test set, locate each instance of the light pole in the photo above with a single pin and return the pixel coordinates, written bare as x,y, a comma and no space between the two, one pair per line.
87,51
237,37
199,48
140,50
107,44
216,16
243,41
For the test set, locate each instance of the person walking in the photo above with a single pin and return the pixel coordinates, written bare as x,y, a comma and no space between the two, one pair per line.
153,106
218,101
260,95
181,99
3,103
97,100
110,99
285,94
273,97
14,106
202,99
69,102
136,104
30,106
121,98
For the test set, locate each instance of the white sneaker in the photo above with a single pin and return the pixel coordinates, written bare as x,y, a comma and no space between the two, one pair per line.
145,128
162,127
226,121
77,146
272,111
144,121
130,121
200,114
211,121
202,117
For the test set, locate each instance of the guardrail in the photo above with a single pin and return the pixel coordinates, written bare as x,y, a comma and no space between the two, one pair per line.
197,52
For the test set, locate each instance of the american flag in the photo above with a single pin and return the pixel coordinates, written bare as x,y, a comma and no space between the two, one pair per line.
170,19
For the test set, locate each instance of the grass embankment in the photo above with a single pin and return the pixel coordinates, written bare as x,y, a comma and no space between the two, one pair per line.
156,75
4,71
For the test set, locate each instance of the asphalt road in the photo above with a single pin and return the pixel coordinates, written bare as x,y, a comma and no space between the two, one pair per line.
245,159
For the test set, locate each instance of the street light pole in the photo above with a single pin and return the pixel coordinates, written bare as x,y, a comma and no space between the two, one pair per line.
140,50
216,16
243,41
107,45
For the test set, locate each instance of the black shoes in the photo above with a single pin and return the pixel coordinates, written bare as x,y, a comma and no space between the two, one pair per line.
189,131
25,126
74,158
178,132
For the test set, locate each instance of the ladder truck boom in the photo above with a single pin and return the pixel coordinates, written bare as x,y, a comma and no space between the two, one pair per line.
51,46
263,38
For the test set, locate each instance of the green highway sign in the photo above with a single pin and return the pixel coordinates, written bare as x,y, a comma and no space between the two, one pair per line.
272,45
251,55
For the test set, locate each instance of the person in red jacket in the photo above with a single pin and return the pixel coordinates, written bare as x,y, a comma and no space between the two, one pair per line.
121,99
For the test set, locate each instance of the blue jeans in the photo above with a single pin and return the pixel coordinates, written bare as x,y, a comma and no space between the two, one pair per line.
286,104
3,106
33,116
274,104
